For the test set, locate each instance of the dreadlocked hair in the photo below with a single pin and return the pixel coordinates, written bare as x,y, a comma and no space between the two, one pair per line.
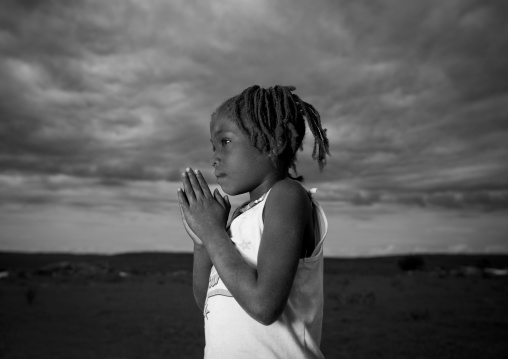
274,115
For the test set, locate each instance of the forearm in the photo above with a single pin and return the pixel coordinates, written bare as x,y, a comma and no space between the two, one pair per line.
200,274
240,278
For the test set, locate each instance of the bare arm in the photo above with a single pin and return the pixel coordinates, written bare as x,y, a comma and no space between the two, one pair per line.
200,274
261,292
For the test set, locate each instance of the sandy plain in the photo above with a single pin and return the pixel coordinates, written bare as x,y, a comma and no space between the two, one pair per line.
140,305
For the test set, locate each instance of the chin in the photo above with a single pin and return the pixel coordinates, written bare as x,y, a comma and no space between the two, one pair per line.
224,188
230,191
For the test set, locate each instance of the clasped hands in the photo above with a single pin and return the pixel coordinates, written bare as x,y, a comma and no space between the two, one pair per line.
202,212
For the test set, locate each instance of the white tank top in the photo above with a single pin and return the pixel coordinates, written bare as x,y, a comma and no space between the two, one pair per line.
231,333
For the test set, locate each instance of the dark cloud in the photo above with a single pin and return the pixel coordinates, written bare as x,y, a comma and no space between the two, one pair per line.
104,195
413,93
473,200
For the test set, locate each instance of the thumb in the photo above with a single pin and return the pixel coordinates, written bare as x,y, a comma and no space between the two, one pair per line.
218,197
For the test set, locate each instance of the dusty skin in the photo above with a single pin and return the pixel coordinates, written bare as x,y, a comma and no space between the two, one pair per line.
141,306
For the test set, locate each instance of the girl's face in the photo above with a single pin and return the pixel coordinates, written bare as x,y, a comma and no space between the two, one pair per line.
239,166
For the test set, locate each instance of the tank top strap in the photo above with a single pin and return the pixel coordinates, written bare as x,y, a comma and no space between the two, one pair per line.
320,222
321,226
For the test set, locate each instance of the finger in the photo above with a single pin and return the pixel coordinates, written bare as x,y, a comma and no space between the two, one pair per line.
190,232
182,198
187,187
183,217
202,182
185,224
198,191
219,198
226,198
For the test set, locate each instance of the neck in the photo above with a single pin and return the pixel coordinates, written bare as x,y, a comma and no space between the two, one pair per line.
266,185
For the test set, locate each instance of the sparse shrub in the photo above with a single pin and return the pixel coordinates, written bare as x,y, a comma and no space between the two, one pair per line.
354,298
30,295
418,315
368,299
411,263
336,299
396,283
483,263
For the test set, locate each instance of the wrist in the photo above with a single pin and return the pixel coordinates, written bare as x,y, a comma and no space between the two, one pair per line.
216,240
199,246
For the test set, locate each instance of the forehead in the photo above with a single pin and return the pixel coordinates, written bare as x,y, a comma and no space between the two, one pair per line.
221,124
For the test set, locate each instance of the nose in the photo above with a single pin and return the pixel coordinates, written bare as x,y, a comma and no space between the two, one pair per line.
214,160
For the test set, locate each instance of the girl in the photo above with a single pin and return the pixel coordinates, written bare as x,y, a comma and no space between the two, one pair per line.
258,280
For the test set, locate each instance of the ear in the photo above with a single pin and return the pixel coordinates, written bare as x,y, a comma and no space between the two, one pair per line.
281,146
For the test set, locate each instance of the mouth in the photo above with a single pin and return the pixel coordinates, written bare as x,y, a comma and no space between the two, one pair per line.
219,175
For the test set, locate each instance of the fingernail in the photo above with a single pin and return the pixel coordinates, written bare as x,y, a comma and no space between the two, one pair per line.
187,169
196,171
184,174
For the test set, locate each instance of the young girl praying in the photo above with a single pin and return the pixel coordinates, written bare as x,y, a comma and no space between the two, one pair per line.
259,278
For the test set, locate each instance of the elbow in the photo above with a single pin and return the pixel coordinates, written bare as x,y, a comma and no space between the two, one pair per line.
267,314
267,320
199,302
199,297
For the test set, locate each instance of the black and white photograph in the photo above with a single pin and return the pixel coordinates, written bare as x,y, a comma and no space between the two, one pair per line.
253,179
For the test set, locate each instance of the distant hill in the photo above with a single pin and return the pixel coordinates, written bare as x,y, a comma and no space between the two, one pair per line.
142,262
163,262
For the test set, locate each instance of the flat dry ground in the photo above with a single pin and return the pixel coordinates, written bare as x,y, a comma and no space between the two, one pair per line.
372,309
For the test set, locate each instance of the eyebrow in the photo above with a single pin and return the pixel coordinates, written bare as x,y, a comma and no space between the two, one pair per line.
222,131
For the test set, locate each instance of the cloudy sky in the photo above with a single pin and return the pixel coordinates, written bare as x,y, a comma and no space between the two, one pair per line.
103,103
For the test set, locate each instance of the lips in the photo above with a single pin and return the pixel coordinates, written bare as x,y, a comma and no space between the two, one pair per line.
219,175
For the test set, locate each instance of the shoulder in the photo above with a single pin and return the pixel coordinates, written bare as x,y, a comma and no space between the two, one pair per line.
288,196
288,188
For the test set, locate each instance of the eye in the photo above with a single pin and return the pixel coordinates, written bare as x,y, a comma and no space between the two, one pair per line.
225,142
